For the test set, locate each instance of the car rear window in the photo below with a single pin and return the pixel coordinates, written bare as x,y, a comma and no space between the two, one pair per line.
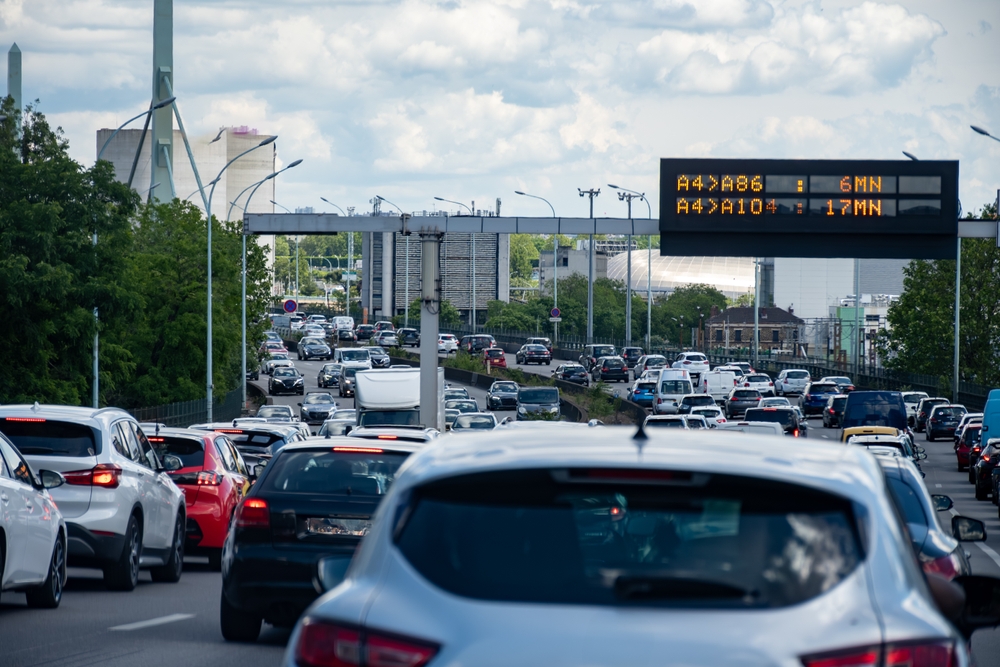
604,350
666,423
828,388
875,408
646,386
757,378
332,472
786,418
34,436
191,451
746,393
951,413
624,537
541,396
696,357
675,387
839,403
797,375
699,400
614,363
245,438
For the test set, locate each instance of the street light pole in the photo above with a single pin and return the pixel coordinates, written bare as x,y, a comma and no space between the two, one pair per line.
590,283
297,239
350,259
555,264
406,285
472,310
649,260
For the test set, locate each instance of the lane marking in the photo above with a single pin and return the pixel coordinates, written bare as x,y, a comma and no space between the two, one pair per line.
938,485
989,552
162,620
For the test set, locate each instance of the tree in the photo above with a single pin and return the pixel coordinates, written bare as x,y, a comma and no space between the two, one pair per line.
920,336
742,301
691,304
448,317
522,253
52,276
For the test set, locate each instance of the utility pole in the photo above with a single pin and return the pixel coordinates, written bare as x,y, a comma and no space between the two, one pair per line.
627,197
592,193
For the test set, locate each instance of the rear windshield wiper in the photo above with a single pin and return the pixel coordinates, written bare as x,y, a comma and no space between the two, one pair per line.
641,587
37,450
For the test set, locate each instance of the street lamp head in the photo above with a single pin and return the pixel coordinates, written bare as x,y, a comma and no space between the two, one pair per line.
269,140
222,131
437,198
518,192
380,198
294,164
911,156
613,187
164,103
979,130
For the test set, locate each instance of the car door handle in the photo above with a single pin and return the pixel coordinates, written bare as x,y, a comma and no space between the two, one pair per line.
4,498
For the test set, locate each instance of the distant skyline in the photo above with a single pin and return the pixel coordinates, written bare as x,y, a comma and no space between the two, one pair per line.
470,101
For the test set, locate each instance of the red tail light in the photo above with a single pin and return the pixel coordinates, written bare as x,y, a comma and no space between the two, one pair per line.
945,566
207,478
686,363
720,420
105,475
795,433
986,457
323,644
926,653
253,513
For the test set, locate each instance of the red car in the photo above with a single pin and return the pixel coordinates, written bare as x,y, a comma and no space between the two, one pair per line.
214,479
968,446
495,357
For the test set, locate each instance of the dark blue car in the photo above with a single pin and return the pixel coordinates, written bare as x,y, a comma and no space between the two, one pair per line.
814,398
644,393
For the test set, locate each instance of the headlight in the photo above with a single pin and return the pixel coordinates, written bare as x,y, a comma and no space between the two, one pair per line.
553,410
299,381
521,409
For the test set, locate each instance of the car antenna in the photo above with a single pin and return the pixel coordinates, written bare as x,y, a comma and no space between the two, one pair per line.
640,438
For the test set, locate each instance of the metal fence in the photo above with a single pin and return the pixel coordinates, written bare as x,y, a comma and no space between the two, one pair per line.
185,413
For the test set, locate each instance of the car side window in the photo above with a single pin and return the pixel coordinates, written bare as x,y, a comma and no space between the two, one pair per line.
241,466
147,455
19,469
225,454
118,442
128,439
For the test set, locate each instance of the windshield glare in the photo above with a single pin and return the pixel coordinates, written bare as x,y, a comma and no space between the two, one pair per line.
354,355
538,396
316,399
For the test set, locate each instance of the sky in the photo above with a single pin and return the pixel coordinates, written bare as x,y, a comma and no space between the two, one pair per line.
470,101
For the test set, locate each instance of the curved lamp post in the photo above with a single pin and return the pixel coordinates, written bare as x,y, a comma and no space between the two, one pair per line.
555,263
96,384
297,239
472,311
243,347
649,259
406,288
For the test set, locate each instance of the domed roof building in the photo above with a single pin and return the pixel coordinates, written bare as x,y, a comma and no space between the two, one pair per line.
733,276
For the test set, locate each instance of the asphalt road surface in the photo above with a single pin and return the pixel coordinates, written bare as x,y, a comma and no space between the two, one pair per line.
178,624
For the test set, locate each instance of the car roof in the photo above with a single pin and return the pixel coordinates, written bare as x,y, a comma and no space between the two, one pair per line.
394,434
92,417
849,471
173,432
320,441
270,427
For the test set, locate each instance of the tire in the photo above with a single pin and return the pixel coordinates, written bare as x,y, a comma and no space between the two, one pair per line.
123,575
49,594
215,560
170,572
929,438
960,468
972,474
981,493
238,625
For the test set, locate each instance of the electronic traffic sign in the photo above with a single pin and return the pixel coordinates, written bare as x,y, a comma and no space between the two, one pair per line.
809,208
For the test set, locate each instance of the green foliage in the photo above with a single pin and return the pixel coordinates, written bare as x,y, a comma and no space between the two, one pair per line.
448,318
742,301
683,306
51,274
920,337
522,253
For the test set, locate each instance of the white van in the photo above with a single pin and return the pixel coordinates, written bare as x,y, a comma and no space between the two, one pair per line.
718,384
753,428
353,357
343,322
672,386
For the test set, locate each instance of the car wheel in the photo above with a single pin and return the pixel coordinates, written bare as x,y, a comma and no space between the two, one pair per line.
929,437
960,468
123,575
48,595
170,572
972,474
238,625
981,493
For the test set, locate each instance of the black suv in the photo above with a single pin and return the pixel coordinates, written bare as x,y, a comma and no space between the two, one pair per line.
833,413
787,417
364,331
631,355
924,411
592,353
610,369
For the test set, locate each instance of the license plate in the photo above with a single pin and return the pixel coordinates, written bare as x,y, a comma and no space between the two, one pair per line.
337,526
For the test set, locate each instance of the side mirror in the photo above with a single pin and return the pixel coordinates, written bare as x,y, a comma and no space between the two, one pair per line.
942,503
920,456
968,530
258,469
919,449
299,404
51,479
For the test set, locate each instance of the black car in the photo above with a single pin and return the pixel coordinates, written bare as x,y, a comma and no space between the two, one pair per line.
942,420
610,369
572,373
408,337
316,407
296,531
533,354
592,353
286,380
631,355
787,417
364,331
924,411
833,413
329,375
693,401
347,380
346,334
502,396
982,469
313,348
380,358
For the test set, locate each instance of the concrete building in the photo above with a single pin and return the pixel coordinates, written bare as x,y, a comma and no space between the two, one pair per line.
813,286
211,156
734,328
571,261
388,278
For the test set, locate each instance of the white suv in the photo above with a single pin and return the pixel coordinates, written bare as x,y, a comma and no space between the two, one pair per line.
121,508
791,381
694,363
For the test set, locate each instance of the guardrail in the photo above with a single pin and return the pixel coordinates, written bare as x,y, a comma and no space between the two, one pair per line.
184,413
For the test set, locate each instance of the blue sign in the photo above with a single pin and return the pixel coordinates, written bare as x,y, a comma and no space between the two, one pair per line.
554,312
290,306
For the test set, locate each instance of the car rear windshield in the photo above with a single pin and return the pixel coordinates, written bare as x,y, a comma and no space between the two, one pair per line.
613,363
699,400
746,393
354,355
653,362
646,386
913,398
247,438
191,451
949,413
839,403
44,437
874,408
332,472
797,375
707,412
389,418
696,357
675,387
786,418
604,350
824,388
757,378
624,537
539,396
666,423
494,353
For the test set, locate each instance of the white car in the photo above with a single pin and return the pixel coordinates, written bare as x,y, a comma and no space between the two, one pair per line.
122,510
759,381
695,363
447,343
911,399
713,415
611,551
753,428
791,381
775,402
33,535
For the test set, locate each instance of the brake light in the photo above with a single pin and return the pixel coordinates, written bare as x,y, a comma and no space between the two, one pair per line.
228,430
253,513
323,644
156,439
24,419
362,450
106,475
720,420
795,433
746,384
945,566
926,653
770,384
986,457
686,362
